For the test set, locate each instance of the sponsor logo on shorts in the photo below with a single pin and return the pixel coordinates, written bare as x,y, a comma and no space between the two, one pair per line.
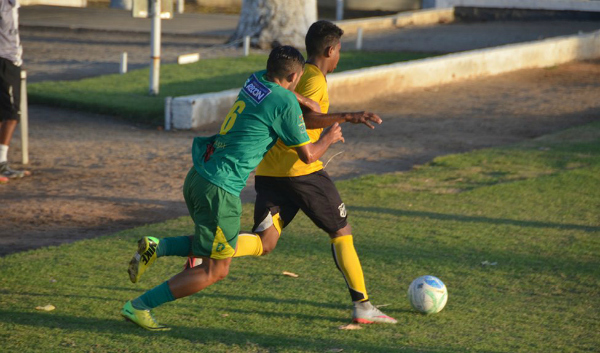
342,209
256,90
220,247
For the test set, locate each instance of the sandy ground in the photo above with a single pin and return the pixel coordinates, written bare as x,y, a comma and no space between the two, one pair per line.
94,175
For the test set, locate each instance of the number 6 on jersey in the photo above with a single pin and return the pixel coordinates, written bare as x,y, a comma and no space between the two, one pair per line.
238,108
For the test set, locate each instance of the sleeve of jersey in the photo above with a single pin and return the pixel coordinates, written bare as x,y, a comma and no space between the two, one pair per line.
291,128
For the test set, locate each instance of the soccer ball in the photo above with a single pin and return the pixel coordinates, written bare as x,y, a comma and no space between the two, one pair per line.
427,294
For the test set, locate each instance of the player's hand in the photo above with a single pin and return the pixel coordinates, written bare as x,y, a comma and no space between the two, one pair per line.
366,118
334,132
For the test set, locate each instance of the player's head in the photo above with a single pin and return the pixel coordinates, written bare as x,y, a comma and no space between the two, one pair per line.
323,39
285,64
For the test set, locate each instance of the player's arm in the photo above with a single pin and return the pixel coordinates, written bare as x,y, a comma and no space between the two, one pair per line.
316,120
307,104
311,152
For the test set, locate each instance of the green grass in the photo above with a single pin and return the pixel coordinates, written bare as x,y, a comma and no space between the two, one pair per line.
127,95
532,208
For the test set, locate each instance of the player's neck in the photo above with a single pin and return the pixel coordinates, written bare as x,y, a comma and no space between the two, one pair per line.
282,82
320,62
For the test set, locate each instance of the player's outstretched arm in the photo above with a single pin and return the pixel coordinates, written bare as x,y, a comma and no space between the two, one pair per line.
311,152
315,120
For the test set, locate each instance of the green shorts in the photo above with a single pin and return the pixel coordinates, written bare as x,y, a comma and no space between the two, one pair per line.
216,214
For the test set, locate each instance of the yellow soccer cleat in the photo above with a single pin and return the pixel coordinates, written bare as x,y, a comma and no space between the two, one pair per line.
142,318
143,258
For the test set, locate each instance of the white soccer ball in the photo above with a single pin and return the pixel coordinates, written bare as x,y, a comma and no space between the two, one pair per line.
427,294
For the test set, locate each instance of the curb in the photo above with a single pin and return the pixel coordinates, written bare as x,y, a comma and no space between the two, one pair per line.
403,19
192,112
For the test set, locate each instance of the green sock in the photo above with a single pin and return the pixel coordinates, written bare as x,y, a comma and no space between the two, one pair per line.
154,297
174,246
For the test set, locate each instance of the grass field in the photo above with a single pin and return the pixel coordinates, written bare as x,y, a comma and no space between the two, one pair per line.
533,209
127,95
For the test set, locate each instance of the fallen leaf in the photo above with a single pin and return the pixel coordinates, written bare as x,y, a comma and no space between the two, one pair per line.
350,327
487,263
290,274
48,307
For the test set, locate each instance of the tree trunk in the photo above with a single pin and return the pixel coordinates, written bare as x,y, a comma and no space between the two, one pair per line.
270,23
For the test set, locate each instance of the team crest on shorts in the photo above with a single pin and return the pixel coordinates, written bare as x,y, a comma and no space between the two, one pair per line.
342,209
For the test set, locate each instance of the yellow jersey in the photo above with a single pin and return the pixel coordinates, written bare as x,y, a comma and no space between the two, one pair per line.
283,161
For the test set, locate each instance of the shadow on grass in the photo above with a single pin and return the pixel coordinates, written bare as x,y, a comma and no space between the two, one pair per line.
475,219
199,335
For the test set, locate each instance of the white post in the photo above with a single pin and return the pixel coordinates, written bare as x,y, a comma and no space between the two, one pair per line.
180,6
246,45
24,119
168,101
339,10
123,67
155,47
359,38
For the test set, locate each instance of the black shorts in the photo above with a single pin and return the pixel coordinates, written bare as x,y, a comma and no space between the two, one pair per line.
315,194
10,91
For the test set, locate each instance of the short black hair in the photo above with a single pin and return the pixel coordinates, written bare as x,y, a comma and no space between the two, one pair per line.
283,61
320,35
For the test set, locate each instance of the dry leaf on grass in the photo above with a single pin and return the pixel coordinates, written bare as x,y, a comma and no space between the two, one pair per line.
48,307
350,327
290,274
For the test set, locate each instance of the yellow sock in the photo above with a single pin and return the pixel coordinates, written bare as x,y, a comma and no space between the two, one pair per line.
346,259
251,244
248,245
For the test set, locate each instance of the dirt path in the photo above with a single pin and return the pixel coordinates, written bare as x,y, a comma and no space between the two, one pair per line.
94,175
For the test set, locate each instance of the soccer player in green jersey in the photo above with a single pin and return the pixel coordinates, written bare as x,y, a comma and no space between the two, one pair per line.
266,110
286,184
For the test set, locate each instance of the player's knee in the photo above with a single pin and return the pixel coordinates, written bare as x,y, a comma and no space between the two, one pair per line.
347,230
219,272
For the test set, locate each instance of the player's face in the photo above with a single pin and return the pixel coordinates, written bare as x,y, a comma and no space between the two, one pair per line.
335,57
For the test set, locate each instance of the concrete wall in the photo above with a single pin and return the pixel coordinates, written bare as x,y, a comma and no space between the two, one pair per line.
220,3
372,82
70,3
383,5
191,112
413,18
558,5
374,5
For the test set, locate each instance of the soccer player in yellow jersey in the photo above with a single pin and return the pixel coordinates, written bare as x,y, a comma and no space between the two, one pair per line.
285,184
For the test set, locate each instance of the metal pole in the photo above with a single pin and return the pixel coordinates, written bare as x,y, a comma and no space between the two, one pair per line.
24,119
155,47
180,6
339,10
359,38
246,45
168,101
123,67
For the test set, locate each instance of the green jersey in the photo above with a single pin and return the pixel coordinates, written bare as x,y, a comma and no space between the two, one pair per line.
263,112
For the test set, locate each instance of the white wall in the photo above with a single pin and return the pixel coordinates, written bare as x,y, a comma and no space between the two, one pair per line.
70,3
557,5
192,112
